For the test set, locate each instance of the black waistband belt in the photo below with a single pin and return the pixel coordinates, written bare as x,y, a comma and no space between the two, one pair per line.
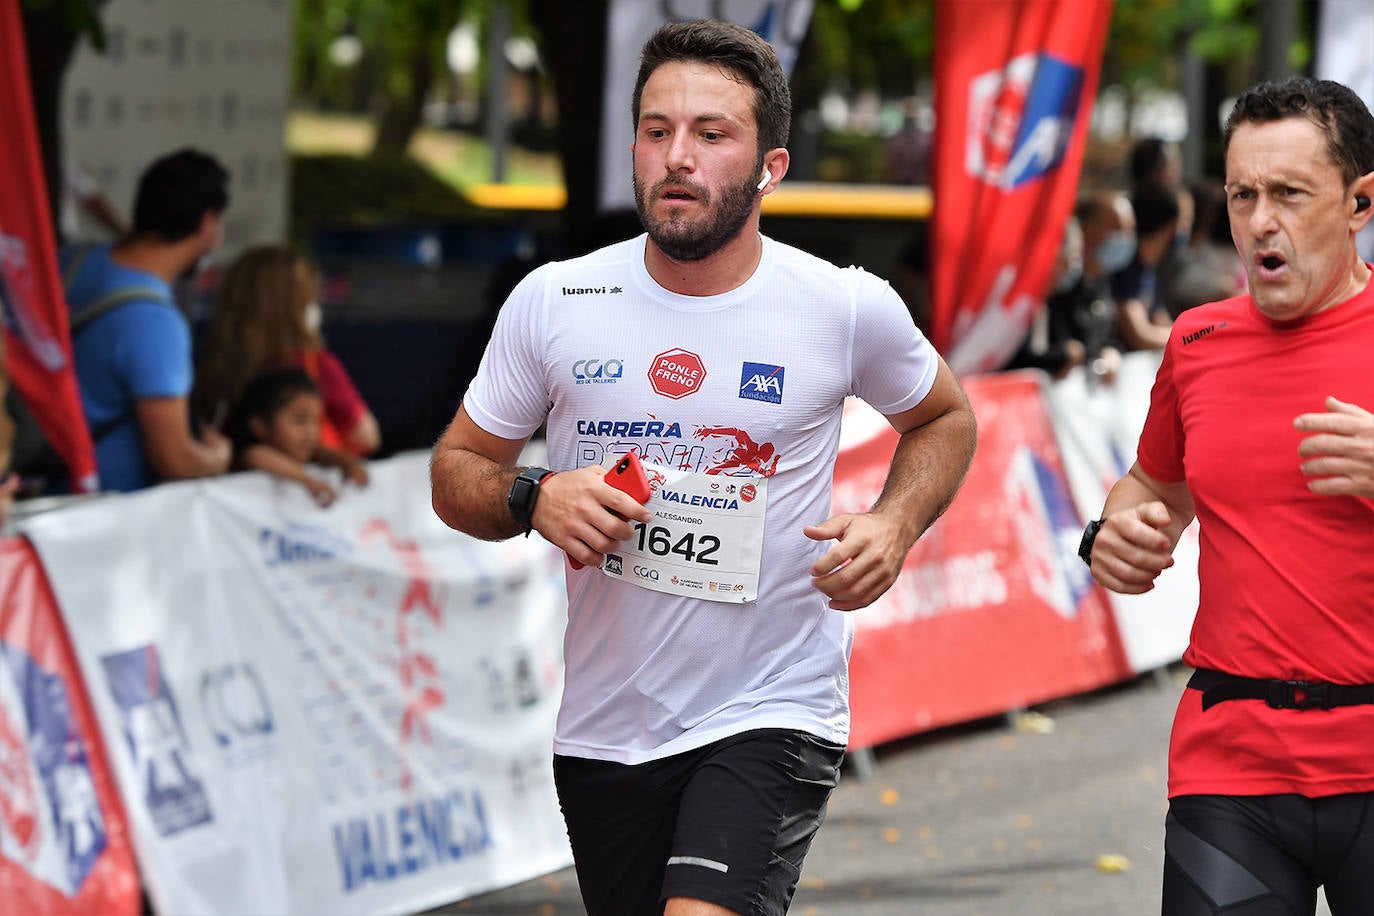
1218,687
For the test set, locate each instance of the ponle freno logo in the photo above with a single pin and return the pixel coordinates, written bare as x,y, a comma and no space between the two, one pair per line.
677,373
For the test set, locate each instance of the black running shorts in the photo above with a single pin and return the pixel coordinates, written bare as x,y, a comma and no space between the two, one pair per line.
1265,855
728,823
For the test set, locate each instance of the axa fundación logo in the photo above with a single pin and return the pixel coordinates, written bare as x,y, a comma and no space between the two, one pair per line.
761,382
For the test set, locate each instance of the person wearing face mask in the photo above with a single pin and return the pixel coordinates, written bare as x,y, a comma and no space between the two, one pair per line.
268,316
1143,279
1088,312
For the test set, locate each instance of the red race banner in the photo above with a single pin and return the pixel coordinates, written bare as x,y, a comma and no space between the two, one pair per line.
993,609
64,839
38,352
1014,87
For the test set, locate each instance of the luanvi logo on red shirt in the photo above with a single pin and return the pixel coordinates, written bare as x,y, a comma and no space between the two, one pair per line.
1201,333
677,373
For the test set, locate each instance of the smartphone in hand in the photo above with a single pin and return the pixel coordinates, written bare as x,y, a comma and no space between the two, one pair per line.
627,476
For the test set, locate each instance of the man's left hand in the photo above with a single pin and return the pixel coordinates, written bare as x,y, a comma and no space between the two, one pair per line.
1339,450
864,562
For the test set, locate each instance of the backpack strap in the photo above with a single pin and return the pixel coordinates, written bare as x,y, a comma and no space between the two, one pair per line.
100,307
110,301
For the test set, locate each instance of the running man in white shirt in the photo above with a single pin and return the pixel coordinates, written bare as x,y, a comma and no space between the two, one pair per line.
705,709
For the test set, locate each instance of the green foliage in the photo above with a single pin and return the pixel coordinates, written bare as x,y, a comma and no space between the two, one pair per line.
369,191
851,158
880,44
393,36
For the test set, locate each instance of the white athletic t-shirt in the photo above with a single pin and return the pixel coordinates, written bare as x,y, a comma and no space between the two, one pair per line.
746,383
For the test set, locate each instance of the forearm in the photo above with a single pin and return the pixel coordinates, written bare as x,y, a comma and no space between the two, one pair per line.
1137,330
186,459
469,493
363,437
261,457
927,469
1137,489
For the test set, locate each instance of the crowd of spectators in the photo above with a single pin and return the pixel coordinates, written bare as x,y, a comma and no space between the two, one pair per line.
162,406
1130,263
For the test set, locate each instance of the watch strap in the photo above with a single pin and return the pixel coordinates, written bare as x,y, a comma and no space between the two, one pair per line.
524,493
1085,546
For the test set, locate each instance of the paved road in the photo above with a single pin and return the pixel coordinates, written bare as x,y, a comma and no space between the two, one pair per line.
1054,816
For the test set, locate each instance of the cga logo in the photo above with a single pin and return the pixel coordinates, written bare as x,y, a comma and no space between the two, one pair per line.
761,382
1020,119
644,572
597,372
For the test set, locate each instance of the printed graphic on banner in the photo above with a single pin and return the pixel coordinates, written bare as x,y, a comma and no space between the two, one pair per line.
18,299
172,789
705,540
235,707
68,806
1020,119
1015,80
410,838
1049,529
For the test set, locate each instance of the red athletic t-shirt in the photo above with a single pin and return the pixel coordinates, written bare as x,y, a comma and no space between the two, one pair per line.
1287,576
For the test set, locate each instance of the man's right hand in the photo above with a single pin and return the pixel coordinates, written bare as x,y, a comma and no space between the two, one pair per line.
1133,548
584,516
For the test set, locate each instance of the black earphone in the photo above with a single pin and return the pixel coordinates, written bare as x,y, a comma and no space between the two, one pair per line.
1361,203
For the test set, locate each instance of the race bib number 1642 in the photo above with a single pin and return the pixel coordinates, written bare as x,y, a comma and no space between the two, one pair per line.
705,540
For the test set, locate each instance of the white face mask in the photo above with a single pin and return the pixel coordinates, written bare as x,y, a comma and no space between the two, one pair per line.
314,316
1115,252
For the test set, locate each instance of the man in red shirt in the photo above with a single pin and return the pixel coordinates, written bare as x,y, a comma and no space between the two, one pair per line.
1259,427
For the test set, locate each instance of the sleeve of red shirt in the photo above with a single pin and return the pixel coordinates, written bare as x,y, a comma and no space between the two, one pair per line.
1160,451
342,404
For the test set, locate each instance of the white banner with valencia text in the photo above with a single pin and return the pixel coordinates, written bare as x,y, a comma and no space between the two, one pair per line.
342,710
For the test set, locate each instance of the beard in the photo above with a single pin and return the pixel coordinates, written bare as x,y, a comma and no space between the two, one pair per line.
691,237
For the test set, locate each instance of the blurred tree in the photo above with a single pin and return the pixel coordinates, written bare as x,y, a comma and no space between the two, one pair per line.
853,45
387,57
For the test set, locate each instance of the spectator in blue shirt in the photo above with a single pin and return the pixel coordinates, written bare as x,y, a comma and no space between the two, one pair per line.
131,344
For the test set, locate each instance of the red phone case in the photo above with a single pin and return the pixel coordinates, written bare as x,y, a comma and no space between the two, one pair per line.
627,476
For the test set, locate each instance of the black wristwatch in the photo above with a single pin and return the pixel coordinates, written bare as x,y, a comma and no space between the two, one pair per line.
524,492
1085,546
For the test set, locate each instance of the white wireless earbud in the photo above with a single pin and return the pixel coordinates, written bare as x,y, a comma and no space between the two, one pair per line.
763,182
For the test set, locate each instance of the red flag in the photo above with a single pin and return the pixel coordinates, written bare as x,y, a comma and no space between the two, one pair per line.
1014,88
38,349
